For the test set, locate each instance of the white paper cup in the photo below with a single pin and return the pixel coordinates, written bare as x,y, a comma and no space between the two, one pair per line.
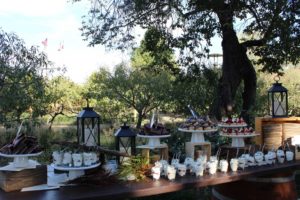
87,159
77,159
280,156
212,167
289,155
67,159
259,156
198,169
57,157
155,171
171,172
181,169
234,162
94,158
189,162
223,166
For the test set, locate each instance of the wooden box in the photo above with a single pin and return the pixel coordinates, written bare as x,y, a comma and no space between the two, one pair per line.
190,148
11,181
164,153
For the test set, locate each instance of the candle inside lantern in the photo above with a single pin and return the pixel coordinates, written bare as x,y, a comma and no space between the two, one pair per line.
89,137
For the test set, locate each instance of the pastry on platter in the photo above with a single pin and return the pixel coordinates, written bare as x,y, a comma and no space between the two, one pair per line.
156,129
22,144
200,123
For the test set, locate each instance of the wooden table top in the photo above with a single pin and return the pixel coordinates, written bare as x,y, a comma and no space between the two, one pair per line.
147,187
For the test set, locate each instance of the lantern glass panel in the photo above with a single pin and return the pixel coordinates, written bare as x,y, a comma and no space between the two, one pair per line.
125,145
88,130
279,104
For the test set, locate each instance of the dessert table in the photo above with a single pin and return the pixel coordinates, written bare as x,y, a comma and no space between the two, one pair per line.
149,187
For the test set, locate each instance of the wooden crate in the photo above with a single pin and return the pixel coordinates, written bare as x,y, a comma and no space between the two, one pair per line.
275,131
190,148
163,151
290,130
12,181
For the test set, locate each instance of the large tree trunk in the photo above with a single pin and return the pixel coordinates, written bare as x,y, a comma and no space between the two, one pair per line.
236,68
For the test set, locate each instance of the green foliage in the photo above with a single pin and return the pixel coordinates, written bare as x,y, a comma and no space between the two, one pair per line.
154,54
22,86
65,98
197,87
139,90
136,166
111,110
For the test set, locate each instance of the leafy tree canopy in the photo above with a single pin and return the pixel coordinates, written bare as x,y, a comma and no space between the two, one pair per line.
154,54
22,86
136,89
64,98
273,26
272,29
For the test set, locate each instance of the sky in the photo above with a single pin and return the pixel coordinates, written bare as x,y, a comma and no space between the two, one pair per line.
59,21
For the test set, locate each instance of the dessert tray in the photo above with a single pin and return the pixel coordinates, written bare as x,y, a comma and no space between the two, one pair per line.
197,131
197,135
75,172
232,125
154,140
238,140
21,160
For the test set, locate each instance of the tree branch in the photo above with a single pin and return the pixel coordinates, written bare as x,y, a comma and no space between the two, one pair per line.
254,13
252,43
273,21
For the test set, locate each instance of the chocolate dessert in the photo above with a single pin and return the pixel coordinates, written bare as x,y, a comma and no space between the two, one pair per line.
156,129
22,144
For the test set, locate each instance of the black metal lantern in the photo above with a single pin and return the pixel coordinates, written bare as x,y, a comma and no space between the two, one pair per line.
125,141
278,100
88,127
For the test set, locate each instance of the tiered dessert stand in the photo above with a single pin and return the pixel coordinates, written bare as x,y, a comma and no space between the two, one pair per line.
75,172
154,143
21,160
197,139
237,140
